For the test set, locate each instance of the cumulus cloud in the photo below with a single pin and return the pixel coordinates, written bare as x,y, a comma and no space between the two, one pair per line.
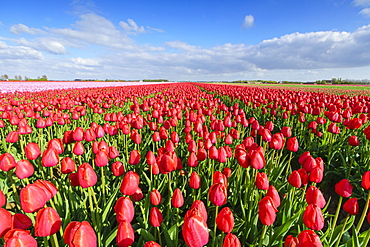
131,26
48,44
248,21
363,3
365,12
21,28
18,52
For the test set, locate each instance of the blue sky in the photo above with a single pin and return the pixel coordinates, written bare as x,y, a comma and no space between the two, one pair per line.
297,40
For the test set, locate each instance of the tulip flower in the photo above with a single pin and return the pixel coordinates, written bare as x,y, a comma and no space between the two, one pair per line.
134,157
138,195
49,188
277,141
130,183
24,169
155,197
314,196
262,181
218,194
167,162
117,168
12,137
7,162
57,144
192,160
343,188
267,211
151,244
78,134
47,222
124,209
292,144
195,180
195,231
86,175
274,194
231,240
78,148
101,158
32,151
201,209
19,237
21,221
6,221
291,241
257,158
295,179
313,218
50,157
351,206
79,234
32,198
67,165
2,199
225,220
353,141
177,199
125,234
309,238
365,182
286,131
155,217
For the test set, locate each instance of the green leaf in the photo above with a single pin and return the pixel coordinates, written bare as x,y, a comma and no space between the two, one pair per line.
108,206
280,232
112,235
146,235
337,230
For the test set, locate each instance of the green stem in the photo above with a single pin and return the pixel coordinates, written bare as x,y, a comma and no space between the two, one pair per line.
366,240
336,217
159,236
364,212
342,230
103,183
215,228
264,230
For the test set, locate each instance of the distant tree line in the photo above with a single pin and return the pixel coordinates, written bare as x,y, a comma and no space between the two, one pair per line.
26,78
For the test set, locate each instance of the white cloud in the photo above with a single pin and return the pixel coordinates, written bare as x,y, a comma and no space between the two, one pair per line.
90,62
18,52
181,45
365,12
131,26
48,44
21,28
364,3
248,21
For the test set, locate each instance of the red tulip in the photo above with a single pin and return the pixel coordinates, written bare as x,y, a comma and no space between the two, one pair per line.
195,231
309,238
18,237
195,180
225,220
6,221
167,162
78,148
151,244
192,160
50,157
267,211
313,218
130,183
47,222
21,221
138,195
80,234
155,217
343,188
32,151
292,144
86,175
155,197
286,131
24,169
125,234
365,182
101,158
2,199
7,162
78,134
314,196
57,144
257,158
49,188
295,179
218,194
67,165
291,241
262,181
12,137
117,168
177,199
277,141
353,141
351,206
274,194
32,198
134,157
124,209
201,209
231,240
113,152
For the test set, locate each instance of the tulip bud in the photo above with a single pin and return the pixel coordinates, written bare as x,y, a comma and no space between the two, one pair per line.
313,218
124,209
351,206
134,157
262,181
47,222
295,179
32,198
130,183
78,148
231,240
314,196
24,169
267,211
86,175
32,151
50,157
12,137
195,180
291,241
6,221
177,199
78,234
365,182
18,237
343,188
195,231
155,217
67,165
309,238
7,162
218,194
101,158
225,220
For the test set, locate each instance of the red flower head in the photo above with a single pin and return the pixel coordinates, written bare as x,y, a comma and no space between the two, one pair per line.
313,218
80,234
343,188
225,220
47,222
130,183
267,211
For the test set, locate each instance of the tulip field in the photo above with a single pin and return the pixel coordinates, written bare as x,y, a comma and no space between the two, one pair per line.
184,164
